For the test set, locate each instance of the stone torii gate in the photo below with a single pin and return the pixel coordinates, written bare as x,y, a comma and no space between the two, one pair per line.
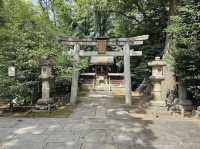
101,44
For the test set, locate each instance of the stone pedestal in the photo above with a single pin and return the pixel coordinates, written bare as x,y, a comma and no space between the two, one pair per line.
156,90
156,79
45,100
196,113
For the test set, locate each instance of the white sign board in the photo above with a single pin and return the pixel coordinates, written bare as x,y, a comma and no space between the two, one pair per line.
11,71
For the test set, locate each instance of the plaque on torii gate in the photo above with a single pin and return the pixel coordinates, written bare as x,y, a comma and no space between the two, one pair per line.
101,44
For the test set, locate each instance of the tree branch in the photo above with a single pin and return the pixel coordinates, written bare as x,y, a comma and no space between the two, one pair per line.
125,15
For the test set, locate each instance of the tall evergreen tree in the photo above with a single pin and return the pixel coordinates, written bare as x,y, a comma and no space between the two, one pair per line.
184,31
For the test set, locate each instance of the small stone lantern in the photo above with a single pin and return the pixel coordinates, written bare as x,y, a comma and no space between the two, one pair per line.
46,76
156,78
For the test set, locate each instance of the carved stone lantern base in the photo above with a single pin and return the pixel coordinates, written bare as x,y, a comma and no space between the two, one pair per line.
196,113
156,93
45,101
45,104
45,107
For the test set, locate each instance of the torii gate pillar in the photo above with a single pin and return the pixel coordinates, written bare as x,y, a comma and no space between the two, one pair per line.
127,74
75,75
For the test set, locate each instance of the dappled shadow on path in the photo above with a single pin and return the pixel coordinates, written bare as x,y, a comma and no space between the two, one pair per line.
126,131
100,121
129,130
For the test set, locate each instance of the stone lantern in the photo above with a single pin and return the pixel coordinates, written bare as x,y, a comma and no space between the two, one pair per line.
46,76
156,78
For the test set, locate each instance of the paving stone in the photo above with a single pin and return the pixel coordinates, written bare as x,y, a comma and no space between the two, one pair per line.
100,112
98,146
30,129
125,146
22,145
6,133
55,145
63,145
150,146
123,138
62,136
7,123
77,126
98,136
24,142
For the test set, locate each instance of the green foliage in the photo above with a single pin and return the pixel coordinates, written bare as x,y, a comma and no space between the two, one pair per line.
125,18
92,17
28,32
26,35
184,32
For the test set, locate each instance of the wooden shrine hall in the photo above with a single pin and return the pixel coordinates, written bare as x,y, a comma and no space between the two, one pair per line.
103,73
109,68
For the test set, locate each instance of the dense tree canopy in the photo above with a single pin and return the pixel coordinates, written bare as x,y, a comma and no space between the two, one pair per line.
184,32
29,31
26,35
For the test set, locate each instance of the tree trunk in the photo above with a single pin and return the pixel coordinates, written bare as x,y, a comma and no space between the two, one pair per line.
172,12
170,79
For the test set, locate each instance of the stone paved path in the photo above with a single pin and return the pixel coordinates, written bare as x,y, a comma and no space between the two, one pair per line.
100,122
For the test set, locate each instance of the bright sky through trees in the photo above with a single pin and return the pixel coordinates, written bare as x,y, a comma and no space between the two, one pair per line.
34,1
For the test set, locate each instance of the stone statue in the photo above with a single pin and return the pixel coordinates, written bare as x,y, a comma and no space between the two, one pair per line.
175,104
170,98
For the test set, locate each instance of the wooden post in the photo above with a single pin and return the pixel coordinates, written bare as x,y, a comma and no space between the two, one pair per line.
109,84
127,74
93,81
75,75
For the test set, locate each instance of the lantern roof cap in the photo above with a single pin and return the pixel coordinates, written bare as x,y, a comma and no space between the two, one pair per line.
44,61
